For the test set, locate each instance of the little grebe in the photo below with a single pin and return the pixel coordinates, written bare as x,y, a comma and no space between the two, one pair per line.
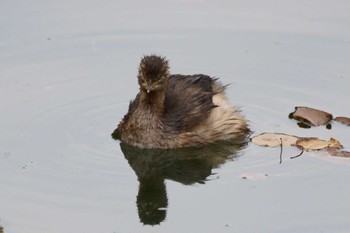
172,111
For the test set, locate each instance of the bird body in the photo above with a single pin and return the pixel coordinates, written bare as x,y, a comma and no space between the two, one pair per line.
173,111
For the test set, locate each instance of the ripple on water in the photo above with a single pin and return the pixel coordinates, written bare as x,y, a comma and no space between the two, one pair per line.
85,127
68,135
61,157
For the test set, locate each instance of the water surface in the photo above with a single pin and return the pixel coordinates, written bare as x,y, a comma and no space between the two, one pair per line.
68,70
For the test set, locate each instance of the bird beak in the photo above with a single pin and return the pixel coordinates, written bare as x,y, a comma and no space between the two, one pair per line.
149,85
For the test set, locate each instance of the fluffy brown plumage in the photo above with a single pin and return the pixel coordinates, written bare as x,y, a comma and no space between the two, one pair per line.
172,111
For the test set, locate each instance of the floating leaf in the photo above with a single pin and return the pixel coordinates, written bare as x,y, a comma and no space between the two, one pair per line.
274,139
310,144
337,152
332,147
312,115
344,120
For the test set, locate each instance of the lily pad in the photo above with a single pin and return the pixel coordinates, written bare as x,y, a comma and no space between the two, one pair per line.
309,144
344,120
314,116
274,139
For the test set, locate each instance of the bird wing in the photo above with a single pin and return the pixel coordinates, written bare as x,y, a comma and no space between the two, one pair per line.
188,101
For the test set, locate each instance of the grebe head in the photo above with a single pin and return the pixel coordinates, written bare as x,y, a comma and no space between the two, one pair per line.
153,73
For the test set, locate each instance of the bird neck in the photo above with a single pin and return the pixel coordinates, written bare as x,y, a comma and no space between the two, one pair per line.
153,101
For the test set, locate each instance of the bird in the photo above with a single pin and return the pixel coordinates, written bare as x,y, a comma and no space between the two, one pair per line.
174,111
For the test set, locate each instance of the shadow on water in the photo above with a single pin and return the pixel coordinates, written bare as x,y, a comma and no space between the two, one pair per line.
185,165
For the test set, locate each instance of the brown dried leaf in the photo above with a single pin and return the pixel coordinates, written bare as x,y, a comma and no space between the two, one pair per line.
337,152
309,144
312,115
344,120
274,139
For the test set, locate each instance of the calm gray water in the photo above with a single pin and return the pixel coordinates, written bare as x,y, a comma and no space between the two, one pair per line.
68,70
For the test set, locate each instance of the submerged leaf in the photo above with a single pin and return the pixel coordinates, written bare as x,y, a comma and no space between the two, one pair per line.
274,139
337,152
304,125
344,120
310,144
312,115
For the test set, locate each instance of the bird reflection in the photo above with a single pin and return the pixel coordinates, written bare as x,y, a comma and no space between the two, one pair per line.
185,165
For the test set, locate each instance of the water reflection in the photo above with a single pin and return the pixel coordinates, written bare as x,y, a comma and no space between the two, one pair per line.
186,165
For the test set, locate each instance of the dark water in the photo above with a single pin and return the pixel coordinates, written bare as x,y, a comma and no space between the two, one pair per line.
187,166
68,70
